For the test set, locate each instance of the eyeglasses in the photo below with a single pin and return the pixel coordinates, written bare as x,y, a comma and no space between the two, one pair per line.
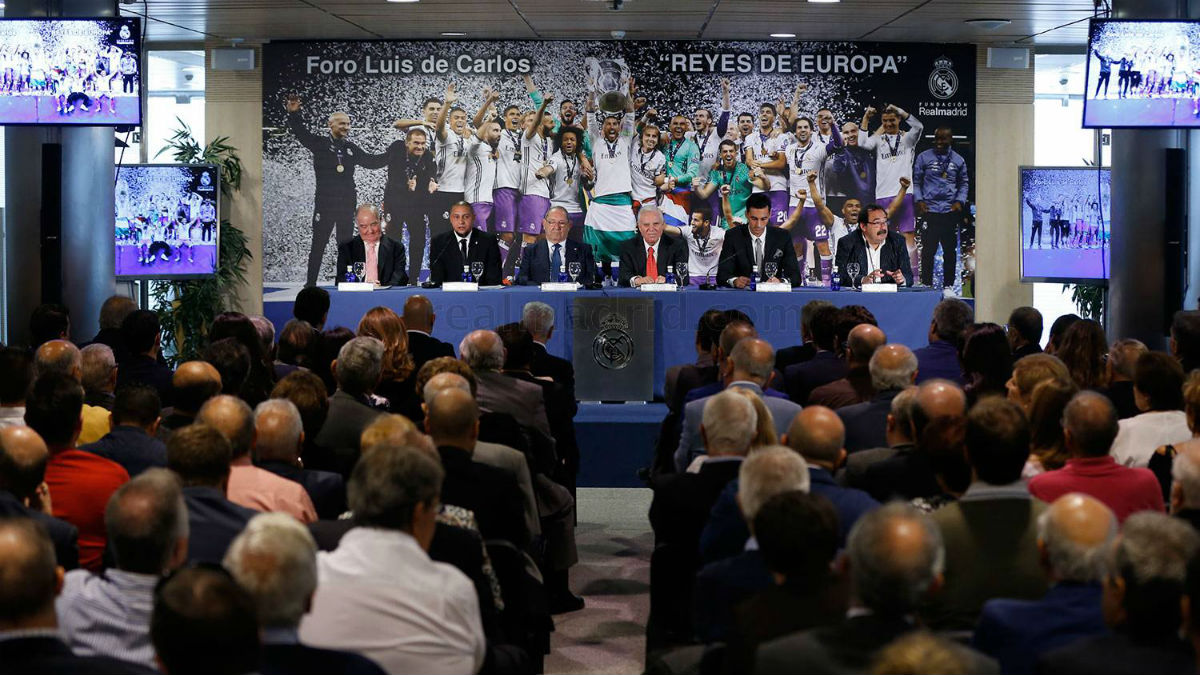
878,221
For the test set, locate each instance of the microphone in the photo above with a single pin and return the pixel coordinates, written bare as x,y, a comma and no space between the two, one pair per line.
433,261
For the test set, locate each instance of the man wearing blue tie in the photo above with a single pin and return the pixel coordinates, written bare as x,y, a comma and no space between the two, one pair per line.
543,260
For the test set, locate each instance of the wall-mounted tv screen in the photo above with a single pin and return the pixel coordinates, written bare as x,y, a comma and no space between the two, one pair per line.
167,225
1142,74
71,71
1064,223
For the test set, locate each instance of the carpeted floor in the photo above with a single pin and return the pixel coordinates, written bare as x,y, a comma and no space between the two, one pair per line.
613,576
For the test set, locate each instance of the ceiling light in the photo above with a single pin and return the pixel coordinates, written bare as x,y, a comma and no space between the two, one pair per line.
988,24
453,34
783,35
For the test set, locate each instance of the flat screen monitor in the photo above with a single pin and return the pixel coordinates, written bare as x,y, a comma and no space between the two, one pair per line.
1142,74
84,72
1064,223
167,224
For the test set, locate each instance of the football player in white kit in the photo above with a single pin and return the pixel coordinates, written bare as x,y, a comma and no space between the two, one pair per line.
704,245
568,164
610,221
648,168
837,225
894,156
537,148
804,156
764,150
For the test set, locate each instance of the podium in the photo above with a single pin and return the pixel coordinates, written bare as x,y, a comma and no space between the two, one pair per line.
613,348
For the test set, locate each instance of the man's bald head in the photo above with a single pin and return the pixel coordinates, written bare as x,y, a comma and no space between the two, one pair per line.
482,350
896,556
278,431
23,457
29,576
59,357
752,359
233,418
892,366
863,340
418,313
194,383
1089,425
937,398
733,333
1073,534
441,382
453,419
817,433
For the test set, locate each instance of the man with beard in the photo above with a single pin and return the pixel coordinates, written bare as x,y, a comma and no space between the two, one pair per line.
568,179
731,183
482,153
609,220
879,253
940,183
839,225
708,136
682,165
334,160
408,196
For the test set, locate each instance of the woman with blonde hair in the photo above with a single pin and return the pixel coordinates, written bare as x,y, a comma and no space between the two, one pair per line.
396,380
764,432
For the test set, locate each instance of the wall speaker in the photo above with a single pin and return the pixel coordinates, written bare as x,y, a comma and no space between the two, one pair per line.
1007,57
232,58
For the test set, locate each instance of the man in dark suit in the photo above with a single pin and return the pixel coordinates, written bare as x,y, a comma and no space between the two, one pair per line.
464,245
418,318
1025,332
278,441
560,404
893,367
141,334
357,369
483,351
645,258
1119,368
382,256
28,640
200,455
23,457
542,260
538,319
132,442
806,349
825,366
939,359
194,383
882,256
757,244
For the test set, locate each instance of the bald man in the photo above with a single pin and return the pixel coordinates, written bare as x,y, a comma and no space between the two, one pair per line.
418,318
890,368
1073,534
734,332
818,435
194,383
855,387
23,490
64,358
278,441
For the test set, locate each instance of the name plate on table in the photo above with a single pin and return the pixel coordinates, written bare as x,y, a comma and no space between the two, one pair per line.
356,286
764,287
560,286
460,286
879,288
658,288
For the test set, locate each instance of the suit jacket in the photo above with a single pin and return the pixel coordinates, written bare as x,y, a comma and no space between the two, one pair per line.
326,489
671,251
682,501
716,387
513,463
535,262
938,360
132,448
213,523
778,610
723,585
64,535
498,392
491,493
425,348
866,423
1028,349
893,255
690,377
48,654
690,443
141,369
906,475
556,368
1118,654
725,533
795,354
737,256
1017,632
823,368
339,436
298,659
446,262
848,646
849,503
851,473
560,414
392,268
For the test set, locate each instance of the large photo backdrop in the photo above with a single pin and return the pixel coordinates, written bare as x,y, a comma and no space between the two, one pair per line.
312,179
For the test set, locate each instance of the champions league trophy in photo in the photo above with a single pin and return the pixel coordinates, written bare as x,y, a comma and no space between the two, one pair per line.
609,79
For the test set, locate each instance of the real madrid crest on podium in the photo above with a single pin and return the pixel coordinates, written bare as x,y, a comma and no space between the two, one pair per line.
614,348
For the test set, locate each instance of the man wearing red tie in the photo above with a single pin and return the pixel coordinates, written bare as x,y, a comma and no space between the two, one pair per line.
382,257
645,259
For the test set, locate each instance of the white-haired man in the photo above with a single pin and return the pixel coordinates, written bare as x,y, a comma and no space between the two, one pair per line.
483,351
538,319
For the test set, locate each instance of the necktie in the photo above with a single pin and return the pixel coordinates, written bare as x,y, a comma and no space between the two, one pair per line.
758,254
651,266
372,263
555,262
462,245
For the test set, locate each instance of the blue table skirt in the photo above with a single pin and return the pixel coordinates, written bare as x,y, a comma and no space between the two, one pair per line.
615,440
904,316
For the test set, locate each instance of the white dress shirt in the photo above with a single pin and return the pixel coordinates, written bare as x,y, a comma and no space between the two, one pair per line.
873,257
379,594
1140,436
108,614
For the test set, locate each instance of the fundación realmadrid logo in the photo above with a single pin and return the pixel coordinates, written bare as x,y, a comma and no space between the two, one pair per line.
943,82
612,349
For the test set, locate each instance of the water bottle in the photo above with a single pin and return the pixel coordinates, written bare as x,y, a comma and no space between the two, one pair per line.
670,274
516,273
562,276
754,278
835,283
349,275
466,274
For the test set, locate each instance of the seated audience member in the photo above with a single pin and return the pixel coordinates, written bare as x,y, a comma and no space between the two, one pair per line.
140,333
723,585
1057,330
898,432
710,328
62,358
818,435
764,427
23,491
278,441
307,392
909,474
986,361
1047,446
132,442
1158,391
266,338
924,652
1082,349
940,358
806,349
483,352
825,366
399,372
49,321
419,318
892,368
1073,534
261,376
895,558
750,365
707,337
204,624
1185,485
80,482
297,347
1024,332
945,442
1031,371
200,455
357,368
1089,427
275,560
17,367
249,485
328,347
538,319
312,305
734,332
1185,339
232,360
194,383
108,614
29,581
1143,586
1119,367
98,375
856,387
112,315
379,594
990,533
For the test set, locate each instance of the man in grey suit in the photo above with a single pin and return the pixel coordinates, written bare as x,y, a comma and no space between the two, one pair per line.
483,351
357,370
749,366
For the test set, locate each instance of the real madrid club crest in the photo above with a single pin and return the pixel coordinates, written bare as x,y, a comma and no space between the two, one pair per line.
612,349
943,82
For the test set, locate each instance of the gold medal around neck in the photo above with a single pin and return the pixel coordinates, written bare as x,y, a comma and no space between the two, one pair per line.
340,168
862,175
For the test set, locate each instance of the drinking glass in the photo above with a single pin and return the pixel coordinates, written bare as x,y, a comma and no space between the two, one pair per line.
574,269
477,270
771,269
360,270
852,270
681,272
